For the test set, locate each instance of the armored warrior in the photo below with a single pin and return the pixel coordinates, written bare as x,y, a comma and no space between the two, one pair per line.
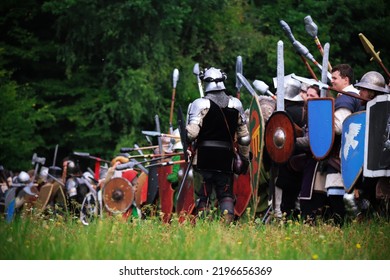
289,179
371,85
214,122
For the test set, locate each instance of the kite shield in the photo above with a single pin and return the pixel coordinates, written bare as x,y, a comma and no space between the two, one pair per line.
377,144
352,148
118,195
320,124
256,129
280,137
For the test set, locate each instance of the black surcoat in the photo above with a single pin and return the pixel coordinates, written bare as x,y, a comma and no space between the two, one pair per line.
215,140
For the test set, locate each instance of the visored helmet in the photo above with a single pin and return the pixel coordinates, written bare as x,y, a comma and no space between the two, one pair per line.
213,79
373,81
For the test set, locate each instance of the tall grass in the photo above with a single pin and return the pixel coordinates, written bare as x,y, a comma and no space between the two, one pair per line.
112,238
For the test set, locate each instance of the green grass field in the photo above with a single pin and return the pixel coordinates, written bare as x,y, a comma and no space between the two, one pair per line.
112,238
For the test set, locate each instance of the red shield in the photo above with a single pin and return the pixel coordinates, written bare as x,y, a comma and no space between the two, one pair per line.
165,192
186,203
280,137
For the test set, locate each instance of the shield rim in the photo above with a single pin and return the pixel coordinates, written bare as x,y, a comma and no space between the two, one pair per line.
342,162
106,205
320,157
368,172
283,157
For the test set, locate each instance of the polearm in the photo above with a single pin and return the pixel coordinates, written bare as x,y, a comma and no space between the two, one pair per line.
87,155
326,86
196,72
298,48
238,70
371,51
159,134
175,78
156,156
312,30
263,88
127,150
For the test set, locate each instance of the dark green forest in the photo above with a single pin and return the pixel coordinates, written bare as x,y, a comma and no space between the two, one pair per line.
90,75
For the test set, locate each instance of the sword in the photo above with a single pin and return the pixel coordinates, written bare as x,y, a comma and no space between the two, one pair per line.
280,78
325,60
321,85
246,84
238,70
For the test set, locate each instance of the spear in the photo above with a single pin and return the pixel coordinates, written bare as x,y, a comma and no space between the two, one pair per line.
312,29
326,86
127,150
175,78
371,51
159,134
165,155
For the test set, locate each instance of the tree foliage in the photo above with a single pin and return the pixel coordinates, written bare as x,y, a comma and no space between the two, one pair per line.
90,75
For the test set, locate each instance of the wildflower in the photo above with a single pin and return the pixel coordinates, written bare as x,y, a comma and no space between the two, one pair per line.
358,246
314,257
239,242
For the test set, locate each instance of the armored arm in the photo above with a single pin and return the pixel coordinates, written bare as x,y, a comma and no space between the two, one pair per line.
197,112
243,136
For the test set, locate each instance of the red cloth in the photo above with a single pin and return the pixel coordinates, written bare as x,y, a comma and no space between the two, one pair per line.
129,175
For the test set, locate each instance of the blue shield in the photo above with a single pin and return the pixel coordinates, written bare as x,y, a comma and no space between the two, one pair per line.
352,148
320,125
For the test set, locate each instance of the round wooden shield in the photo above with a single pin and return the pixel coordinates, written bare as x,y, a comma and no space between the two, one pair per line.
280,137
118,195
44,196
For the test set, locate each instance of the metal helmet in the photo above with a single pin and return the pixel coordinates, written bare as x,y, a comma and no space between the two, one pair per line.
178,145
72,167
292,89
23,177
43,173
373,80
213,79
